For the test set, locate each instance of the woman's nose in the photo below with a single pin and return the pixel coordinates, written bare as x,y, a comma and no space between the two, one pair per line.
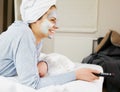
55,27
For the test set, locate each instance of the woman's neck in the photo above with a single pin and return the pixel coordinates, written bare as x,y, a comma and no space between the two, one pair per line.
38,36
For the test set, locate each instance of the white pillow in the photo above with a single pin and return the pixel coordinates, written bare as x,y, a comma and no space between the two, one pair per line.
57,63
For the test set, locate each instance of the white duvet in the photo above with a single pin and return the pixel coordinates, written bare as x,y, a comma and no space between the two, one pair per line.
11,84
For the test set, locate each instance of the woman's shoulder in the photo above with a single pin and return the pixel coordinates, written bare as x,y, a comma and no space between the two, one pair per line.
18,28
22,29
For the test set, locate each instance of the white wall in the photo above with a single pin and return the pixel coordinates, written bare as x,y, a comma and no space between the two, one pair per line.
17,9
77,16
108,18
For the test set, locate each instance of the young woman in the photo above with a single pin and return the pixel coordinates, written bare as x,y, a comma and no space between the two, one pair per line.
21,44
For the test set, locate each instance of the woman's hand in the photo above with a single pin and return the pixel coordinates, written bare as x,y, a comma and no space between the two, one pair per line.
42,68
86,74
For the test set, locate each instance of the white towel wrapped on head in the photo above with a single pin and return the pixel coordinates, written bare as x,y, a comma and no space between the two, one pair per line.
32,10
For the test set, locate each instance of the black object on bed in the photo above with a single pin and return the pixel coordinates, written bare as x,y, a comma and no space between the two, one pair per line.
107,55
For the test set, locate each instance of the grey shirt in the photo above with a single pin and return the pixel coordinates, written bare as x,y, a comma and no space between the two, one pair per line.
19,56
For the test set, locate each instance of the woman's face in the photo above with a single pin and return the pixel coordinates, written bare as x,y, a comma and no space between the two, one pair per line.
46,26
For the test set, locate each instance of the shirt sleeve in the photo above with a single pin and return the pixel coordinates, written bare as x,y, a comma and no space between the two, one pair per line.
26,66
57,79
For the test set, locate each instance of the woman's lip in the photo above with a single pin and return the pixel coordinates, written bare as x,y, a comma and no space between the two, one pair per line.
51,31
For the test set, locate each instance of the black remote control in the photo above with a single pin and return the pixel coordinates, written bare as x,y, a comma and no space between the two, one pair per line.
104,74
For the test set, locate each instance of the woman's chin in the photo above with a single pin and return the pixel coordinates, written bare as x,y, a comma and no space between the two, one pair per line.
50,36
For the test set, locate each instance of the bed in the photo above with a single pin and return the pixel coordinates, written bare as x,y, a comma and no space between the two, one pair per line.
11,84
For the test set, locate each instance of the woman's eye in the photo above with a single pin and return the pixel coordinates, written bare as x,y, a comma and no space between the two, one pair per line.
53,20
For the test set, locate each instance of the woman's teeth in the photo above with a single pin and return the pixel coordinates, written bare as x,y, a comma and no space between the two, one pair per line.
52,31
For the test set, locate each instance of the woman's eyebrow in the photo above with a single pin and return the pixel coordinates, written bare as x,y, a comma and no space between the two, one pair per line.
52,14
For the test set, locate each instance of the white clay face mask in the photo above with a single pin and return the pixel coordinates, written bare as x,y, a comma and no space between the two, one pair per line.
50,36
53,14
46,25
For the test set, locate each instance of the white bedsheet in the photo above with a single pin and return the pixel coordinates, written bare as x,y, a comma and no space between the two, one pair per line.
11,85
